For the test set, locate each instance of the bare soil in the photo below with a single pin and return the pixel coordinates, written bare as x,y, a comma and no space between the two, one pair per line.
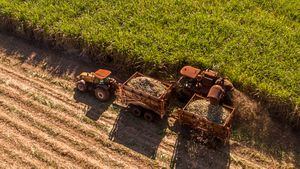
46,123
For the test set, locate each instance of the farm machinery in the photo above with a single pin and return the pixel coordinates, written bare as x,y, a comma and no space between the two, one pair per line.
195,86
206,83
99,82
141,103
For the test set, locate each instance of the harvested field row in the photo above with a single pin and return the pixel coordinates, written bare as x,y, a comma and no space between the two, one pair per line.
65,124
63,107
35,101
39,99
37,154
61,136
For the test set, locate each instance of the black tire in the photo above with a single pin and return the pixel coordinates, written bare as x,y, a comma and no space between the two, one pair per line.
81,86
102,94
183,95
217,142
148,116
136,111
228,99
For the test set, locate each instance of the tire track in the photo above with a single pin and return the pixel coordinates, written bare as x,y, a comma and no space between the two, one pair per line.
30,148
56,95
67,124
40,85
64,137
141,138
47,142
8,159
17,155
35,150
13,142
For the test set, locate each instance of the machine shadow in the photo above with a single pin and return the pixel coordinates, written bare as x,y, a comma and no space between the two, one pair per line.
189,153
137,134
94,108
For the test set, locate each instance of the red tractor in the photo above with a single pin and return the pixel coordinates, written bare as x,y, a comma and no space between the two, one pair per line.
99,82
206,83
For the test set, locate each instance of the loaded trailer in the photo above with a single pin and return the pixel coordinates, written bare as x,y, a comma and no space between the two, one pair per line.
212,119
142,103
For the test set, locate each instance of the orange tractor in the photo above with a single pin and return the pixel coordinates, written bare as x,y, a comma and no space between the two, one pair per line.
99,82
206,83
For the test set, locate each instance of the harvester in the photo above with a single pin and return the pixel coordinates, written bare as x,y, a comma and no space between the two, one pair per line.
98,82
206,83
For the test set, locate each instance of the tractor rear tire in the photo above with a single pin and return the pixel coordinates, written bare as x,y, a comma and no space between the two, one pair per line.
148,116
136,111
102,94
81,86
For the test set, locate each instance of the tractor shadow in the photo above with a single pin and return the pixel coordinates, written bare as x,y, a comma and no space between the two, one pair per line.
189,153
138,134
94,108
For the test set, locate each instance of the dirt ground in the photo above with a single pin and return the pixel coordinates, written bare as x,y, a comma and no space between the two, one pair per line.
46,123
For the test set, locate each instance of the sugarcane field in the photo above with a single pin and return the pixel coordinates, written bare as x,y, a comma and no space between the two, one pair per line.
149,84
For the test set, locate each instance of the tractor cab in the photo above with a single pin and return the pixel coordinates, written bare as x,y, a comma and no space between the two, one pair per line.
208,78
200,81
102,73
94,77
190,72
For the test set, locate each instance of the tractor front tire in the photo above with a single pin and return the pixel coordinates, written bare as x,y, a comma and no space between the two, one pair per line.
81,86
148,116
136,111
102,94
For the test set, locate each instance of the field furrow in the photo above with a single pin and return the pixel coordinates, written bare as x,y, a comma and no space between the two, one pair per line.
100,124
15,157
49,143
60,135
74,126
35,150
31,152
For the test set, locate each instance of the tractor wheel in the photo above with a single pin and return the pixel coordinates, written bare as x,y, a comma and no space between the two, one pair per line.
102,94
81,86
183,95
148,116
136,111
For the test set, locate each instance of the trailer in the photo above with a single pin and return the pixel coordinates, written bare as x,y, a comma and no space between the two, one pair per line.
201,123
141,103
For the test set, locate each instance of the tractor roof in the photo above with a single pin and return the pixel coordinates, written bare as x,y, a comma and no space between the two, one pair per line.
190,71
102,73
